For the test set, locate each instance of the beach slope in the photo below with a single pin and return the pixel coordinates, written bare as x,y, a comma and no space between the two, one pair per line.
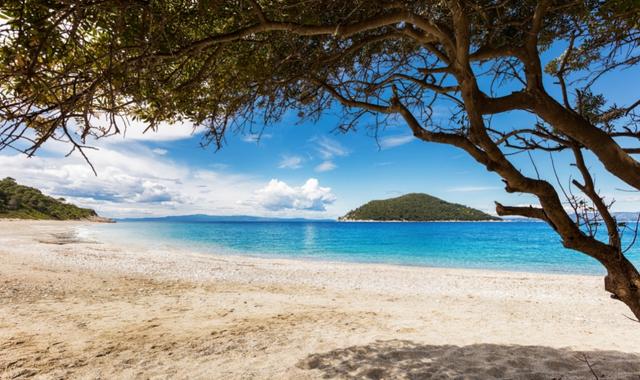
76,308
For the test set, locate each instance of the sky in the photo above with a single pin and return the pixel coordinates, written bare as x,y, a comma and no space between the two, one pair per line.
295,169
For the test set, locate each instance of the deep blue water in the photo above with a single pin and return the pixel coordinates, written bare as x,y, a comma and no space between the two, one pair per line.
520,246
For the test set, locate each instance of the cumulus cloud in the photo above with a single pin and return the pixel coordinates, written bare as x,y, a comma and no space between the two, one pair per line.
137,180
325,166
154,193
290,162
132,180
278,195
394,141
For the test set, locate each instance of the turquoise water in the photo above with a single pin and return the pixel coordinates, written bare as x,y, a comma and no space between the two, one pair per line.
519,246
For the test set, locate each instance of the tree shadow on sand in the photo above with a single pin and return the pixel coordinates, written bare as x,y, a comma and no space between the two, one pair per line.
399,359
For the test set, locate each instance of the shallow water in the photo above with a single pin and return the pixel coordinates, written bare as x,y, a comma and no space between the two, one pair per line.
519,246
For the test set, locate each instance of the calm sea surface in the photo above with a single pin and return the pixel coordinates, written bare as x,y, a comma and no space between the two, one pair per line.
520,246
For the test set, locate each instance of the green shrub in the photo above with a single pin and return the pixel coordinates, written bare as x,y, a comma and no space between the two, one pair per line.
23,202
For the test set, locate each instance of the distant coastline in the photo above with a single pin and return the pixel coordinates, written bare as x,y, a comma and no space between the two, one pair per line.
424,221
203,218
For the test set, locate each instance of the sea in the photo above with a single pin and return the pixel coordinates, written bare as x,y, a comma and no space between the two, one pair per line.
508,246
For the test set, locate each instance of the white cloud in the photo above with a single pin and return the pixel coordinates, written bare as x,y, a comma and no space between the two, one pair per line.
394,141
132,181
278,195
290,162
160,151
135,181
325,166
135,130
255,137
154,192
329,148
472,189
622,197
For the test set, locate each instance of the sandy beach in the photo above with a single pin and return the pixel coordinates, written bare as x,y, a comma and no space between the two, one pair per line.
76,308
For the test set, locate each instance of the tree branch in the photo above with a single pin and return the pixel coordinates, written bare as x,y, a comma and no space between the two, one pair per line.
588,188
529,212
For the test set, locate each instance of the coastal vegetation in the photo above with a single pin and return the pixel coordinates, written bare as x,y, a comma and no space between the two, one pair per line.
415,208
23,202
236,65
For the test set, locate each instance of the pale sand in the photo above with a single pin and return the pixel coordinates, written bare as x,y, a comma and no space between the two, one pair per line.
72,309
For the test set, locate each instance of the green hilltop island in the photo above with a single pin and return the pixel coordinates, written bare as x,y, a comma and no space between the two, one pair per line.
415,207
24,202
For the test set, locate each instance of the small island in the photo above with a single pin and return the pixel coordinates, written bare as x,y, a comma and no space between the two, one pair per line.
24,202
415,207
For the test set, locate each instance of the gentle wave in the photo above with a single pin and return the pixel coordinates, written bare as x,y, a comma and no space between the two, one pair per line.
513,246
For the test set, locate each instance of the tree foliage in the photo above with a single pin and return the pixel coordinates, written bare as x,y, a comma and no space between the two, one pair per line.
73,69
23,202
415,208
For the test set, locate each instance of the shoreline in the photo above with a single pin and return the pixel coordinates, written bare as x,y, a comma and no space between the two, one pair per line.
421,221
77,308
265,258
318,264
178,246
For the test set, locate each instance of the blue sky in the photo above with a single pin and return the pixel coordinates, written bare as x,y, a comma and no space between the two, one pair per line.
296,169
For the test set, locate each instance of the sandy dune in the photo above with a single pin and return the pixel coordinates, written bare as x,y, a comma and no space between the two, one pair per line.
71,308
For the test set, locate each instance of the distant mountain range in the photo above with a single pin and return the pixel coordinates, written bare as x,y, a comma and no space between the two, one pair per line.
202,218
625,216
415,207
466,213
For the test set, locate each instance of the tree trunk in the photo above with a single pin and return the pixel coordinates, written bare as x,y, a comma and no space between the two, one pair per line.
623,282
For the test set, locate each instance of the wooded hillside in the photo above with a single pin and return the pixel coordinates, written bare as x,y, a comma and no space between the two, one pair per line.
23,202
415,207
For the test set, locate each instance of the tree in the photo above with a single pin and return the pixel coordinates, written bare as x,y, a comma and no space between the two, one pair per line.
14,203
71,70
